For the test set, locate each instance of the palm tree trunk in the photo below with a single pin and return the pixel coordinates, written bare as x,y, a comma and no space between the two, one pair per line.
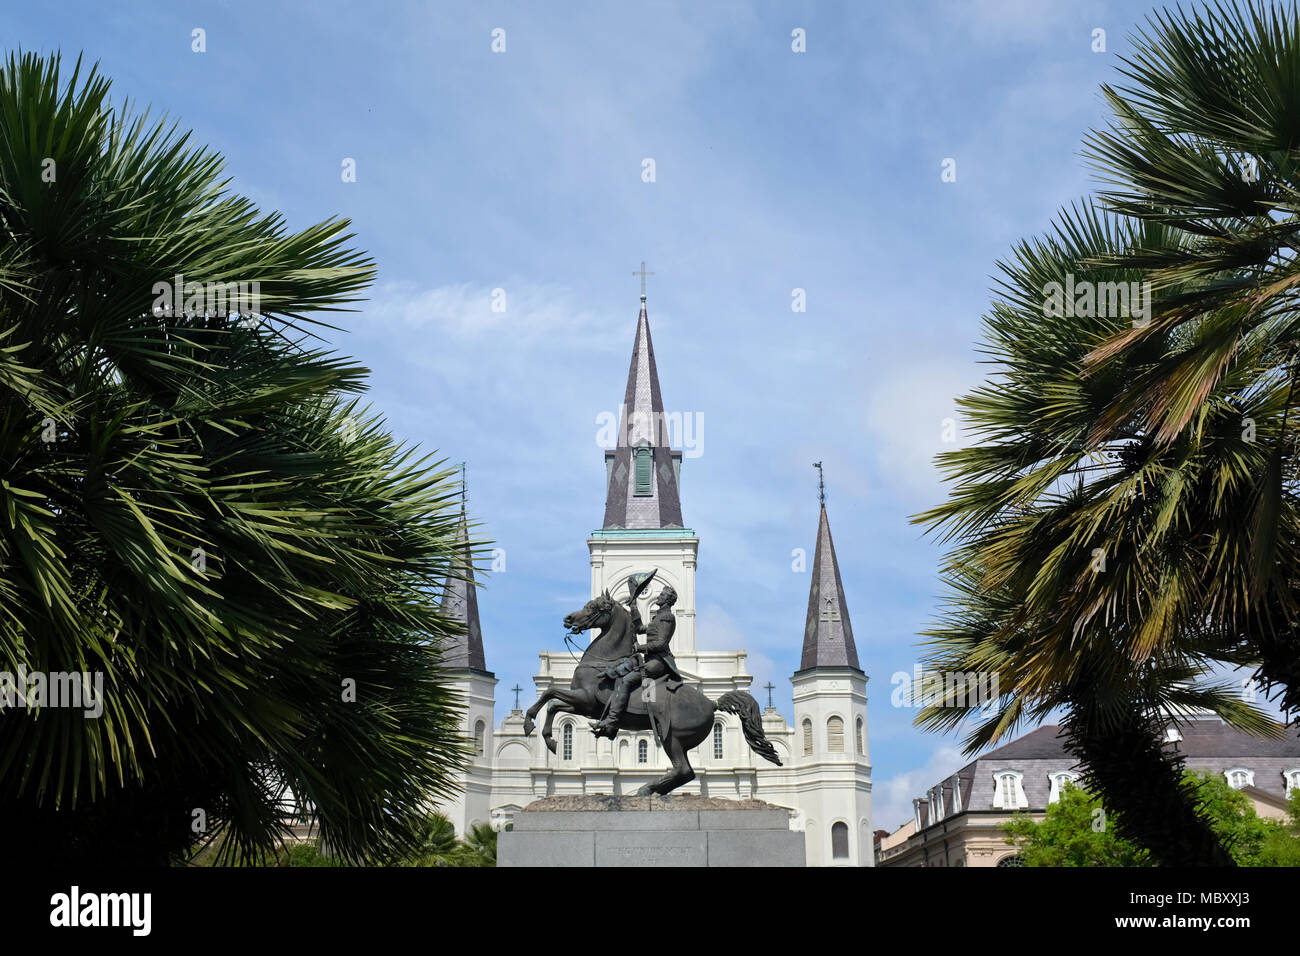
1140,782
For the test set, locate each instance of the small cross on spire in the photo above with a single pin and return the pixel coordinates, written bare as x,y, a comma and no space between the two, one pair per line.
643,274
517,689
464,486
821,483
770,687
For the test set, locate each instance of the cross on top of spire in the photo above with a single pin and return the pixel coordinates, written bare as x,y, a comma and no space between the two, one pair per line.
821,483
643,274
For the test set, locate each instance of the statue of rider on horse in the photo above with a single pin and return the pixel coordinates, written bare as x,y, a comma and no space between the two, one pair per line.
613,665
655,660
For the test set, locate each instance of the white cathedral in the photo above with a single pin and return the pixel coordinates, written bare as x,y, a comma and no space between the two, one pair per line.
825,775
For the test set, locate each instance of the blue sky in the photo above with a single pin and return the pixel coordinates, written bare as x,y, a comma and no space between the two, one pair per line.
775,170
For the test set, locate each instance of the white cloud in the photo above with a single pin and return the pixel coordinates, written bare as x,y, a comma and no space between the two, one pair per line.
891,799
465,311
716,630
910,412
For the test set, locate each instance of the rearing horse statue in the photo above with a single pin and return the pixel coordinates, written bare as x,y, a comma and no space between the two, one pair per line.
681,718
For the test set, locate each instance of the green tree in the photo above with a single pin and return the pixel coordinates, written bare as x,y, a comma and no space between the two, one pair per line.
1077,830
1073,832
1233,816
193,506
437,844
481,846
1281,846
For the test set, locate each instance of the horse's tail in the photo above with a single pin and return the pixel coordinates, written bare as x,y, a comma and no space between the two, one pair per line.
746,708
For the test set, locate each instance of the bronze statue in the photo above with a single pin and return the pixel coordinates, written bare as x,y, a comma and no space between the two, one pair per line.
679,714
630,672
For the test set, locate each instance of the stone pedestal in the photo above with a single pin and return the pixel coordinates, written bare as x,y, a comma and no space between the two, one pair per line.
650,831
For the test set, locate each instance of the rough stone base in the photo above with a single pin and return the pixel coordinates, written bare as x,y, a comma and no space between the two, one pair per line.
599,830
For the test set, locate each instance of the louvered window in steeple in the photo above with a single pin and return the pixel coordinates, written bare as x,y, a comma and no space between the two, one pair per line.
835,735
644,463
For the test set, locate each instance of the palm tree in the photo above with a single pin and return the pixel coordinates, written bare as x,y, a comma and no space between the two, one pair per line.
481,842
1205,145
1084,568
437,844
194,508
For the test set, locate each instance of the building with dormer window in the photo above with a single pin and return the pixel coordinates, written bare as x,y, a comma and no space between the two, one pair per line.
959,821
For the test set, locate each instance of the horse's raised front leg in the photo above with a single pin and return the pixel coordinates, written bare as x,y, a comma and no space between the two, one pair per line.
556,708
533,710
570,701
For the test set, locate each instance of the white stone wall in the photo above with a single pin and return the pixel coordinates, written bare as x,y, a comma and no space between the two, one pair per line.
614,559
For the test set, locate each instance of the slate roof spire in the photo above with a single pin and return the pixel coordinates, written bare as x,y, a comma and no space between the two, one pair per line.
460,603
828,634
642,468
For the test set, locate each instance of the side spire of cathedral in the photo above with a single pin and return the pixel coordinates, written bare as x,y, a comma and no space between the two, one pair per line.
642,469
828,634
460,601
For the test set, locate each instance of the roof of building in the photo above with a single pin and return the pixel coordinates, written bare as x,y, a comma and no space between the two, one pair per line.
460,603
1044,743
1206,744
827,633
642,424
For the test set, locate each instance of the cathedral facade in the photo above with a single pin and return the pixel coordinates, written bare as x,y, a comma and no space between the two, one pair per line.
825,776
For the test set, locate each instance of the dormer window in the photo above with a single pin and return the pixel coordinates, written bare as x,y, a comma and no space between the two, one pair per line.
644,471
1292,778
1059,779
1172,734
1239,777
1008,792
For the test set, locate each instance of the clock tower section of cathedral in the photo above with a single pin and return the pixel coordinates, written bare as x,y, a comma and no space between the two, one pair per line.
643,527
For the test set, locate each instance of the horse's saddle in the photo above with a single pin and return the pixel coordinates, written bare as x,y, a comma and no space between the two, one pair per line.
642,695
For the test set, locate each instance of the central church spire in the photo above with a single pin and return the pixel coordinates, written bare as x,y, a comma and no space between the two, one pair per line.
642,470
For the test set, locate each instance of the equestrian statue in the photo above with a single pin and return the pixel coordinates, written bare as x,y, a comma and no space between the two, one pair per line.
614,665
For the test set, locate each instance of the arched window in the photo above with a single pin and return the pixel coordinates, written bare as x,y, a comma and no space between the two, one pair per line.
1059,779
623,753
1239,777
717,741
1008,793
835,735
857,738
568,741
840,841
1013,860
807,737
480,731
642,752
1292,778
